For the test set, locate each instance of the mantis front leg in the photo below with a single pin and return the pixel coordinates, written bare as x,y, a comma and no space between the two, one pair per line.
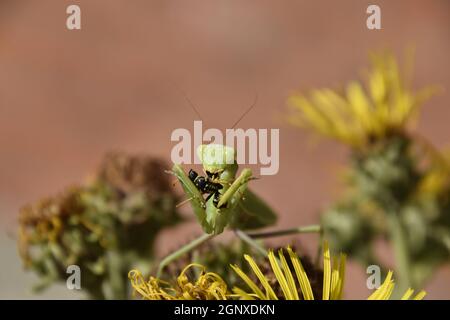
183,250
235,192
244,237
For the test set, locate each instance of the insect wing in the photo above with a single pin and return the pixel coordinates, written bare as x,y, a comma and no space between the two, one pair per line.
253,213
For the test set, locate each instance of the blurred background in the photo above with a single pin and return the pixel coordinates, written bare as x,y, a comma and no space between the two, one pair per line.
67,97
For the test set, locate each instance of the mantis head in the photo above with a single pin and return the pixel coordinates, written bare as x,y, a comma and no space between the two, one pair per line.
217,158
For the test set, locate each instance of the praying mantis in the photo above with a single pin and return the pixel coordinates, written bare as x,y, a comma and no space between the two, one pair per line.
229,204
235,206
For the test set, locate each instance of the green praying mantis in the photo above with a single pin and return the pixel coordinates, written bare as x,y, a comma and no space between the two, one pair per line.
232,203
229,203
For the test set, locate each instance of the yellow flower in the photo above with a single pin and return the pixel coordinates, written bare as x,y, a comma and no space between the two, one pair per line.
296,285
289,273
208,286
360,115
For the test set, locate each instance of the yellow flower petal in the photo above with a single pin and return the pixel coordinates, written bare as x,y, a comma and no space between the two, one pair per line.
379,293
249,282
302,278
289,276
407,294
270,294
280,276
420,295
326,271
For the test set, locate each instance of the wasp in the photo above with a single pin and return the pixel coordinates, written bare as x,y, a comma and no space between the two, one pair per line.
206,185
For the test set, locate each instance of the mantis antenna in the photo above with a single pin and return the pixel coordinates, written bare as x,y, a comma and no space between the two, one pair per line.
191,104
246,112
194,108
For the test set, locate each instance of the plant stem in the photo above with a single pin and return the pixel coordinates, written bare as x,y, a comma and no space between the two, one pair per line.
400,252
319,250
306,229
117,278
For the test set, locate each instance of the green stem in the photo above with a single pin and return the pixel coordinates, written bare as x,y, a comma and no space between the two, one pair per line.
306,229
117,278
317,261
400,252
246,238
249,237
183,250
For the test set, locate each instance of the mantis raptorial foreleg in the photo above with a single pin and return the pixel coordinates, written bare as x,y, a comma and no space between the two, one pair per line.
236,190
245,238
183,250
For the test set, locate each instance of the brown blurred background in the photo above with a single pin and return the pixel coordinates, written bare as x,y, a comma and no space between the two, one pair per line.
66,97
